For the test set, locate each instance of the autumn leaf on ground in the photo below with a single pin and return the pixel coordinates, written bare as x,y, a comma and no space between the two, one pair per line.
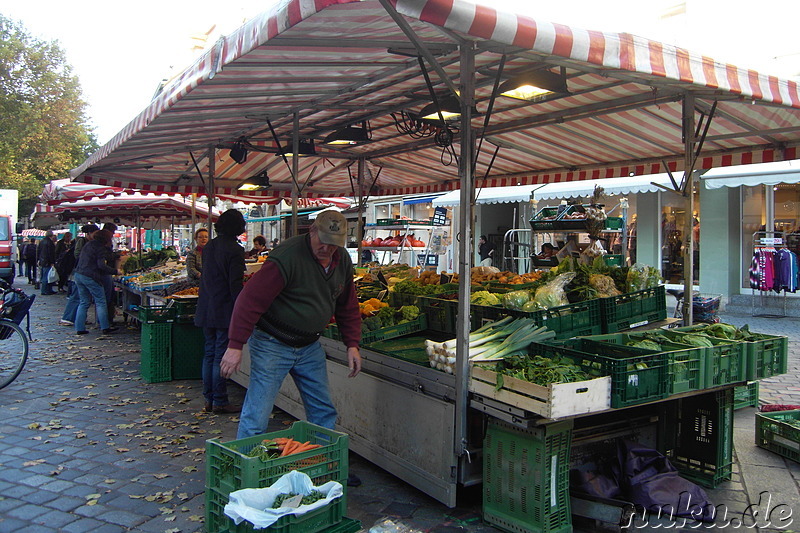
33,463
188,469
196,518
34,425
123,450
109,481
160,475
170,518
173,530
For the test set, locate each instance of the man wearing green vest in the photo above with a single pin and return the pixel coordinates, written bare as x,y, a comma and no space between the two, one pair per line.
282,310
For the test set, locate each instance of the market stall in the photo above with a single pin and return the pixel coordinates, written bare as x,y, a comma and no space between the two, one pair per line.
373,65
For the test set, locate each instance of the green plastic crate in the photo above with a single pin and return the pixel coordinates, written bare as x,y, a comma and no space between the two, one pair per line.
185,310
399,299
745,395
614,223
228,468
156,314
545,219
526,477
188,349
686,365
390,332
633,309
778,433
318,520
768,356
156,348
699,431
441,314
725,361
615,260
637,376
571,320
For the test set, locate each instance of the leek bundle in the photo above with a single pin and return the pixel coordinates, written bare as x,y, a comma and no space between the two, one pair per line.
492,342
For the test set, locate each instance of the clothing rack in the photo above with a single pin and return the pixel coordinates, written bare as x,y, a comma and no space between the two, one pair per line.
767,240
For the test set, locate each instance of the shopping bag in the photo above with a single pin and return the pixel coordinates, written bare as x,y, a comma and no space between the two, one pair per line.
52,276
255,505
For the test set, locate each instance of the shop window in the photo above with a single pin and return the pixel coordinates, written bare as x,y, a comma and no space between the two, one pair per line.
673,226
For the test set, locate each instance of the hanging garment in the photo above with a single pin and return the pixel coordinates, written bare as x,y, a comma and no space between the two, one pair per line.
762,269
785,271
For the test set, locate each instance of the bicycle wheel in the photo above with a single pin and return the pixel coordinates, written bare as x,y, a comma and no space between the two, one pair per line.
13,351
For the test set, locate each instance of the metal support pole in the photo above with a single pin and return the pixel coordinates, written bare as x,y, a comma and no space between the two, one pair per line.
212,168
467,76
362,170
688,226
295,168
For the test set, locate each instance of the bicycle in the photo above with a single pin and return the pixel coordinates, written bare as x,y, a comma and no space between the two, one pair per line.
704,307
15,306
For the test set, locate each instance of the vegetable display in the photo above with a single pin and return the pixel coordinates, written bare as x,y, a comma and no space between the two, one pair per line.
308,499
540,370
270,449
491,342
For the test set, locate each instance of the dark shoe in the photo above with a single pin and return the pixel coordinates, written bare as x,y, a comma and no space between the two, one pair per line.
112,329
208,407
84,332
229,409
353,480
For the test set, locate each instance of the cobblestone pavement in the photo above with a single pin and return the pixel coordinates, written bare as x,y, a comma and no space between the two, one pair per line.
87,446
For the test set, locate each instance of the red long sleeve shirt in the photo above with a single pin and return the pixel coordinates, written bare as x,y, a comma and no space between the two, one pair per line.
265,285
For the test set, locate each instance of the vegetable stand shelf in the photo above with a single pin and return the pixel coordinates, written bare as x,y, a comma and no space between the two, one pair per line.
401,248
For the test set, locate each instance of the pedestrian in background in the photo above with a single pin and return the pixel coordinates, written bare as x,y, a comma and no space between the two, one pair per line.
485,251
194,258
108,281
29,256
65,260
92,266
46,255
73,297
220,284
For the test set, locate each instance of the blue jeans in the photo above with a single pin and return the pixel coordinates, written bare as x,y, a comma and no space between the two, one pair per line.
71,309
88,289
270,362
47,287
215,387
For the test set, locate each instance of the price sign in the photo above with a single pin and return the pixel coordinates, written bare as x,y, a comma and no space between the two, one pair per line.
771,241
440,216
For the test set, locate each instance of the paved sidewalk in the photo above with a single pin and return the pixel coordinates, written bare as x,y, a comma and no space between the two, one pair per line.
87,446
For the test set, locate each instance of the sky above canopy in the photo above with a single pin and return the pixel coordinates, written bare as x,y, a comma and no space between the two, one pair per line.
122,50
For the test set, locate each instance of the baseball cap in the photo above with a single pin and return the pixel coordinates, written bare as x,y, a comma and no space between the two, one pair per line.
332,228
89,228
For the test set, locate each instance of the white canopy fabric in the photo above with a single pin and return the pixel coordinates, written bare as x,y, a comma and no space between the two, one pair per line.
327,64
574,189
753,175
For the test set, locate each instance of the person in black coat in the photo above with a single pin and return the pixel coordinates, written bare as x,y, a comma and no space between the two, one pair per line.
46,254
29,257
220,284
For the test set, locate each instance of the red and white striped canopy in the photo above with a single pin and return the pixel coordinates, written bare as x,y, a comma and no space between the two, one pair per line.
334,63
128,210
64,190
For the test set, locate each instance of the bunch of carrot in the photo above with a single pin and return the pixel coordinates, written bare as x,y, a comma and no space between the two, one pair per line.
288,446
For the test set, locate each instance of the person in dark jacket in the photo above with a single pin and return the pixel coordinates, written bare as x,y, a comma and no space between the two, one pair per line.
65,260
29,256
92,266
46,255
220,284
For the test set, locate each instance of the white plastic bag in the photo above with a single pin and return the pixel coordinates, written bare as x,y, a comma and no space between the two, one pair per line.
255,505
52,276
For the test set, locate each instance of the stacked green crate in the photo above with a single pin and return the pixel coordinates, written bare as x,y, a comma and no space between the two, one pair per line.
686,364
698,434
229,468
632,309
745,395
526,477
156,343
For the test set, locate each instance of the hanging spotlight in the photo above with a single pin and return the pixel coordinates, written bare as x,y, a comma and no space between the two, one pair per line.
449,106
239,153
534,85
349,135
259,182
306,148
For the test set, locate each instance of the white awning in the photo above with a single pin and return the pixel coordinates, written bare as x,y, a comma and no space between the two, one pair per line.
572,189
752,175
